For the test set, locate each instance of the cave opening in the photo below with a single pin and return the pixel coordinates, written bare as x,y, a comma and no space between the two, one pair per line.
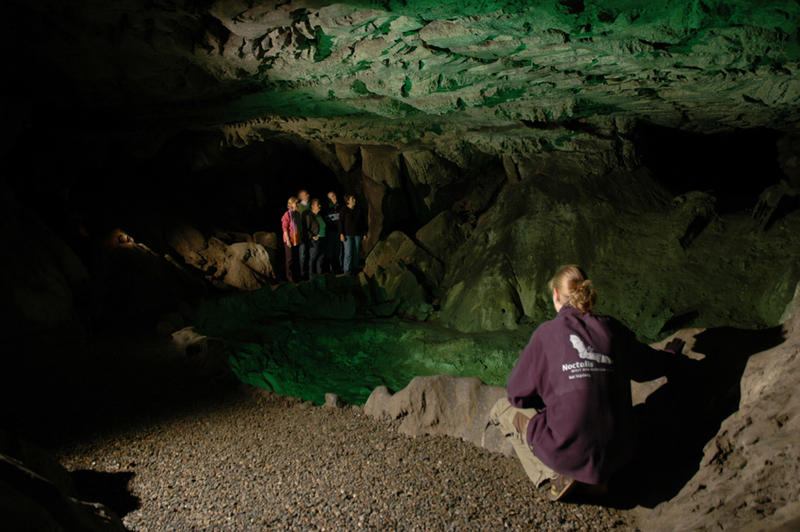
733,166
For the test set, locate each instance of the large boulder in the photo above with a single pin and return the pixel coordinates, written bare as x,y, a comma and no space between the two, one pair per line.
406,273
398,291
228,259
247,266
399,248
442,236
443,405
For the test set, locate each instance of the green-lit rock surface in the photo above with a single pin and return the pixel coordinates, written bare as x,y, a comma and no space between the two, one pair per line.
346,350
657,265
416,70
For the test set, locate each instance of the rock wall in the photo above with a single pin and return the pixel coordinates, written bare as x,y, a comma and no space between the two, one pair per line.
747,477
45,285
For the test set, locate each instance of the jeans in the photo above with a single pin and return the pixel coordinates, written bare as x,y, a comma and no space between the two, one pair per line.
302,249
316,256
289,252
352,250
333,253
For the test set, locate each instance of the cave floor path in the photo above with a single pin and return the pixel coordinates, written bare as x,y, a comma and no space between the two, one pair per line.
256,460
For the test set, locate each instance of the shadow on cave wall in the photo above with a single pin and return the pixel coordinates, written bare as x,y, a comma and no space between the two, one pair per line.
681,417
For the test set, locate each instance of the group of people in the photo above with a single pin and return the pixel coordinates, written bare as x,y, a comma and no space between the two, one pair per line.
319,239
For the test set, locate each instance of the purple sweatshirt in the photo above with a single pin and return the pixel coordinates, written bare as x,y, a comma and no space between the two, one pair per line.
576,370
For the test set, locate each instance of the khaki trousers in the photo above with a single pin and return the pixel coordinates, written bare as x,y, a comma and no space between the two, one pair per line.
502,415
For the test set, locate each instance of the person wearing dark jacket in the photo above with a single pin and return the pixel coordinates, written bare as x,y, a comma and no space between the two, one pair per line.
315,226
333,251
568,412
353,229
304,245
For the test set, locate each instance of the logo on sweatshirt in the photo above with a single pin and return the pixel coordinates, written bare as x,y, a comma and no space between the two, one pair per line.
589,360
587,352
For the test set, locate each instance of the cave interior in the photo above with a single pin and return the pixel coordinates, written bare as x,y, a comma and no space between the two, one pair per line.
150,147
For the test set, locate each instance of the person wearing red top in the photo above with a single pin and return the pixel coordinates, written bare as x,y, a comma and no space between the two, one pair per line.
290,223
568,412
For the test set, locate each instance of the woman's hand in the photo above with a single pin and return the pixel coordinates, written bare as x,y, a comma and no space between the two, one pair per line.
521,423
341,237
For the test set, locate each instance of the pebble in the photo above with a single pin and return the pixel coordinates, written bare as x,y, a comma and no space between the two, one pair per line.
259,461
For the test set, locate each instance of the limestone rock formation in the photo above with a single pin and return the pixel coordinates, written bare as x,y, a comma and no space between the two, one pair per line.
723,65
205,356
392,291
403,271
490,142
498,277
445,405
747,476
443,235
242,263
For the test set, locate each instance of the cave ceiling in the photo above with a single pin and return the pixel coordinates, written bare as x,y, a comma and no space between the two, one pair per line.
410,71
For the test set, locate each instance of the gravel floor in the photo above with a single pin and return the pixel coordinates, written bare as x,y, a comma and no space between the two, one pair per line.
256,461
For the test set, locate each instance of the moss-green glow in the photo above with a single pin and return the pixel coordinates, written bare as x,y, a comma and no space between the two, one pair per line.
406,88
323,336
359,87
350,358
324,45
503,95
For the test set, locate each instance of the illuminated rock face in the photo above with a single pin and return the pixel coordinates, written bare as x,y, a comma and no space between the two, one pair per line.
405,71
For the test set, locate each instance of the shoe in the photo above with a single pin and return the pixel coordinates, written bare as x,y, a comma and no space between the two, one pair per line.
560,486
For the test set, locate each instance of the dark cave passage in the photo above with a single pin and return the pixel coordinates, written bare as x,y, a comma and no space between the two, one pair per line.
735,167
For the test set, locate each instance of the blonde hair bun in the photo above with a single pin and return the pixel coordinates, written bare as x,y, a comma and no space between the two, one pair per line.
572,282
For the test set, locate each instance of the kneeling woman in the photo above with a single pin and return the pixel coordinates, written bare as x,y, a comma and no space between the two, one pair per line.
569,413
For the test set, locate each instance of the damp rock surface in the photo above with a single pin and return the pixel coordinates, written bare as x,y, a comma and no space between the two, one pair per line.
262,461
